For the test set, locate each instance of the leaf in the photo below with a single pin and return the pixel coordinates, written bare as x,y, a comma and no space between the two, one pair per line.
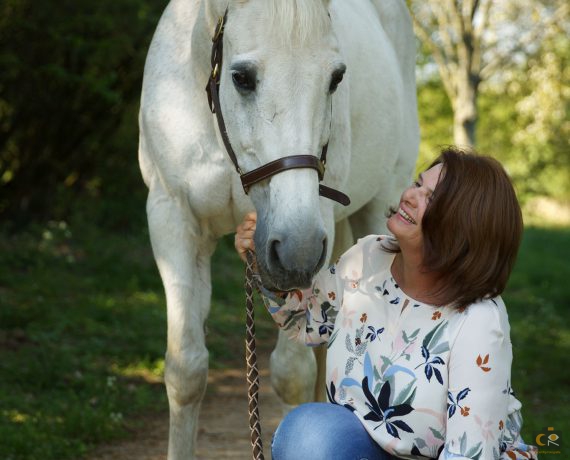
414,334
428,338
440,348
395,301
438,375
411,398
392,430
384,396
332,338
349,382
429,372
373,404
479,360
425,353
437,360
485,369
373,417
385,363
451,410
420,443
376,374
397,368
368,372
437,434
325,306
377,387
402,409
331,394
450,396
463,443
405,393
474,451
402,425
462,394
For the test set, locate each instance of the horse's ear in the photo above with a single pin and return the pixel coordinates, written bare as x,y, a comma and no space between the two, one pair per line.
213,11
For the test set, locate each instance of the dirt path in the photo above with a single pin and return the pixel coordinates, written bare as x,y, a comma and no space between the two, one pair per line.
223,428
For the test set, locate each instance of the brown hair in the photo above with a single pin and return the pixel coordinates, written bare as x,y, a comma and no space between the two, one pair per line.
472,228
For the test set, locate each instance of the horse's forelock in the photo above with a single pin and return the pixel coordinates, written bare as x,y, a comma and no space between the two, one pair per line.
295,22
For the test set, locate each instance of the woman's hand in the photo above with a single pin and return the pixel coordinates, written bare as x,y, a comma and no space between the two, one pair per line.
243,241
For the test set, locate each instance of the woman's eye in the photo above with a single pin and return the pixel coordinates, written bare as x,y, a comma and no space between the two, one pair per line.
417,184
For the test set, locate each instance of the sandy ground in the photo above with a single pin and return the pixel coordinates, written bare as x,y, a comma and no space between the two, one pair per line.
223,428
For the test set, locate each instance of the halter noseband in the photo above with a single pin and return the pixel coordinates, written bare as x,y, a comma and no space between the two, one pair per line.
273,167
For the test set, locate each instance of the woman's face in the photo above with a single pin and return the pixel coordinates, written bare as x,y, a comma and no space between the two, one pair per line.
406,223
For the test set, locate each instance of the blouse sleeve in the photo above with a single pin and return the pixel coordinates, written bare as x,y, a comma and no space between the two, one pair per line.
308,315
479,390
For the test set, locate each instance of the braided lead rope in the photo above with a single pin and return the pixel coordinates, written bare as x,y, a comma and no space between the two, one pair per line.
251,362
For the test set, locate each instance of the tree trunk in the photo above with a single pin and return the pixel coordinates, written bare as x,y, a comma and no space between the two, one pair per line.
465,111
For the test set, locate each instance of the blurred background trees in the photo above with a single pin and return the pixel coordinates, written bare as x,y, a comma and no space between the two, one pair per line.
70,78
70,81
504,69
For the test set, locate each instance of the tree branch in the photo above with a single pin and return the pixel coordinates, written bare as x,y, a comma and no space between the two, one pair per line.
445,67
442,18
534,35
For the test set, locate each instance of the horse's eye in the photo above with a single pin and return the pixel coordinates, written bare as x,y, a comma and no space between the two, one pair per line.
244,81
336,78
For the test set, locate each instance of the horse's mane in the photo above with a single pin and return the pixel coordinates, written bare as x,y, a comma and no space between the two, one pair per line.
295,22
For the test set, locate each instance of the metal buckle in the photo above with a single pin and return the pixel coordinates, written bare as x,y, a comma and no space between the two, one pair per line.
215,71
219,28
321,170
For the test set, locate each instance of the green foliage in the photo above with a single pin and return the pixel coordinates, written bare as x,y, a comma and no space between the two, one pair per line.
71,76
537,167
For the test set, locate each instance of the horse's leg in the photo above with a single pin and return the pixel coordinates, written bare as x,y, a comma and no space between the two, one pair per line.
184,265
293,372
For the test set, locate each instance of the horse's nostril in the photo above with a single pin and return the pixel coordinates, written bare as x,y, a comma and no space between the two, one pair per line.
323,254
273,251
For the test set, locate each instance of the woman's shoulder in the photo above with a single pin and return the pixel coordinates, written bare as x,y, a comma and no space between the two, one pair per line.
484,317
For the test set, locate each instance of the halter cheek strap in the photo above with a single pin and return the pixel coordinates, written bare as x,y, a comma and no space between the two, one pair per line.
273,167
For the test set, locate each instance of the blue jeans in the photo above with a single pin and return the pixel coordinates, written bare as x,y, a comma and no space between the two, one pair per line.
323,431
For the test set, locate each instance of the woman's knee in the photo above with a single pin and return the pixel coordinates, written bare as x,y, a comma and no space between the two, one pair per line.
322,431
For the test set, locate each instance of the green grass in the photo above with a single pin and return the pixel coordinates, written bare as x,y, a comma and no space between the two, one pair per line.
82,334
537,298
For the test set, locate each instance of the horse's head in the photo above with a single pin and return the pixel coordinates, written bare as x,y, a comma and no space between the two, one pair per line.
281,66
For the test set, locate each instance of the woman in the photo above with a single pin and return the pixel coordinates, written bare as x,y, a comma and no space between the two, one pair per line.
419,353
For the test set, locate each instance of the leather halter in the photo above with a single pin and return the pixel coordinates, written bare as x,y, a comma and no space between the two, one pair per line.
273,167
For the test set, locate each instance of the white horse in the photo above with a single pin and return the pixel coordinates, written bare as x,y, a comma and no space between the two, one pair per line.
282,62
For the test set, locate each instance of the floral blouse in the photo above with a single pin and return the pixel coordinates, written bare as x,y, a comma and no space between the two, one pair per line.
424,380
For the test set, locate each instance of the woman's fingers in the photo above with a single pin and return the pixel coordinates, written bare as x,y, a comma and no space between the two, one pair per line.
243,240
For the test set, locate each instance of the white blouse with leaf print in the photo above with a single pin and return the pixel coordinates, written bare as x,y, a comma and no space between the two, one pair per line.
425,381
